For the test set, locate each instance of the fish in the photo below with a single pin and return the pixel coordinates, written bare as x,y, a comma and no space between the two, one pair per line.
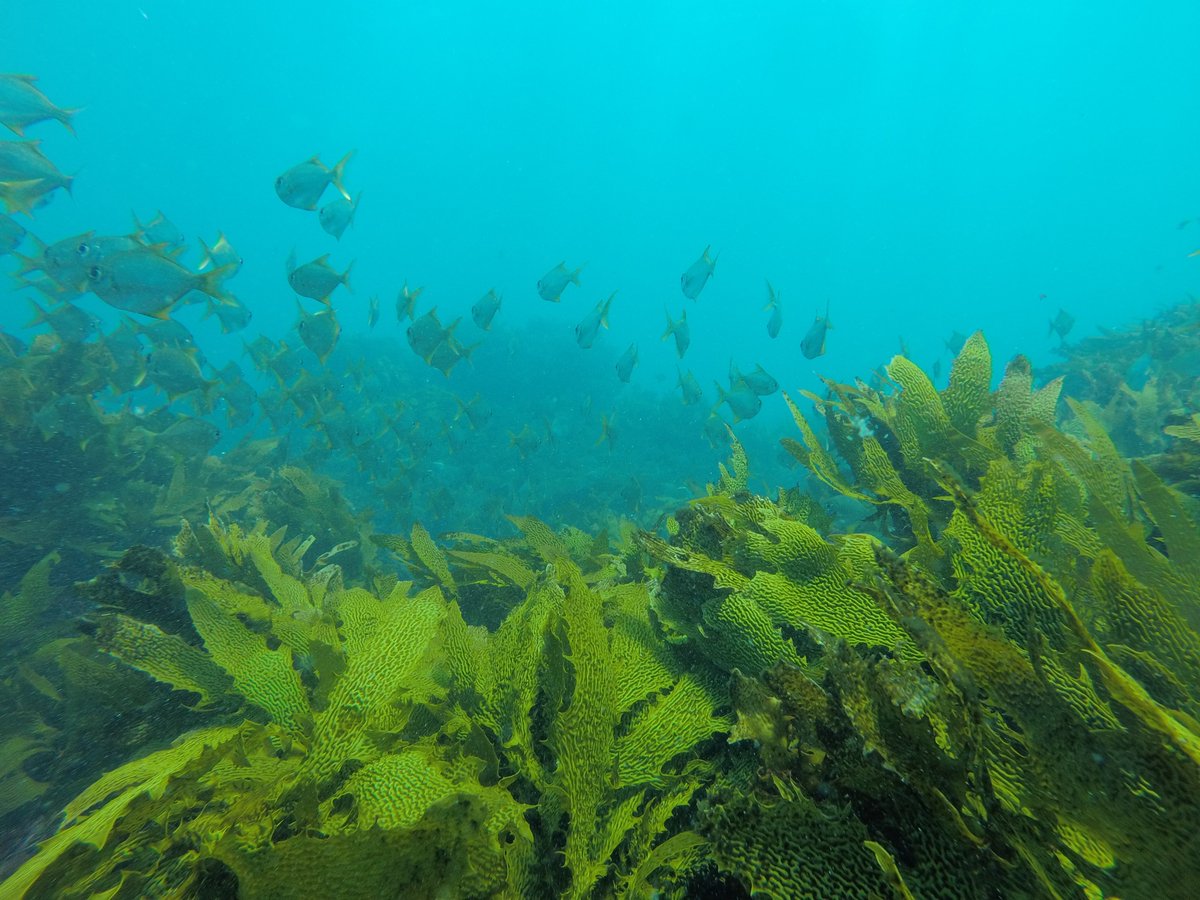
72,416
485,309
23,161
716,431
449,352
813,344
158,231
586,331
626,363
1061,325
690,387
188,437
406,303
146,282
338,215
69,262
551,285
693,280
166,333
526,440
221,253
683,334
240,398
775,323
372,312
176,372
759,381
319,331
22,104
742,402
25,196
476,410
317,279
955,342
72,324
232,314
608,432
12,233
425,333
302,185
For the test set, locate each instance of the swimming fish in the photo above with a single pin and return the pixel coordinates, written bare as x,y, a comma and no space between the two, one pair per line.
813,344
22,161
759,381
485,309
221,253
231,313
147,282
22,105
176,372
776,321
72,324
425,333
11,234
690,387
955,342
693,280
626,363
69,261
608,431
317,279
551,285
1061,325
586,331
338,215
319,332
683,334
476,410
302,185
743,402
372,312
406,303
716,431
159,230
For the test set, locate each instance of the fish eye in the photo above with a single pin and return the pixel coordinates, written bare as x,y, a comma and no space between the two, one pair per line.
94,272
83,249
279,181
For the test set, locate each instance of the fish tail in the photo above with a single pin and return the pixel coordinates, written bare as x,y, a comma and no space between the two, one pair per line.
66,115
18,196
346,275
576,273
211,282
338,171
39,315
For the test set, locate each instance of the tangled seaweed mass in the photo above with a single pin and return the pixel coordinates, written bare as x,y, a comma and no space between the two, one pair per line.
990,688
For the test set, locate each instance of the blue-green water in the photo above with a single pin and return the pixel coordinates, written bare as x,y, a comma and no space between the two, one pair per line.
916,170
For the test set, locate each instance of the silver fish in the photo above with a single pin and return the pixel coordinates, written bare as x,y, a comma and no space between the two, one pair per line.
679,328
221,253
690,387
759,381
302,185
485,309
693,280
319,332
24,161
551,285
626,363
159,230
22,105
316,279
146,282
338,215
70,261
372,312
232,314
586,331
813,344
425,333
72,324
11,234
406,303
743,402
775,323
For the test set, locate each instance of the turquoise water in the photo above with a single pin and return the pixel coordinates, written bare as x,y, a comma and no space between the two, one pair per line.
914,170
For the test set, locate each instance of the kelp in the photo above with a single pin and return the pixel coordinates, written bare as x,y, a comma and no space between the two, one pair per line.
990,687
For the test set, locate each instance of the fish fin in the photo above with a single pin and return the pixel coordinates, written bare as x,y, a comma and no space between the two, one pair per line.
211,282
346,276
39,315
66,115
18,195
338,171
575,274
290,265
